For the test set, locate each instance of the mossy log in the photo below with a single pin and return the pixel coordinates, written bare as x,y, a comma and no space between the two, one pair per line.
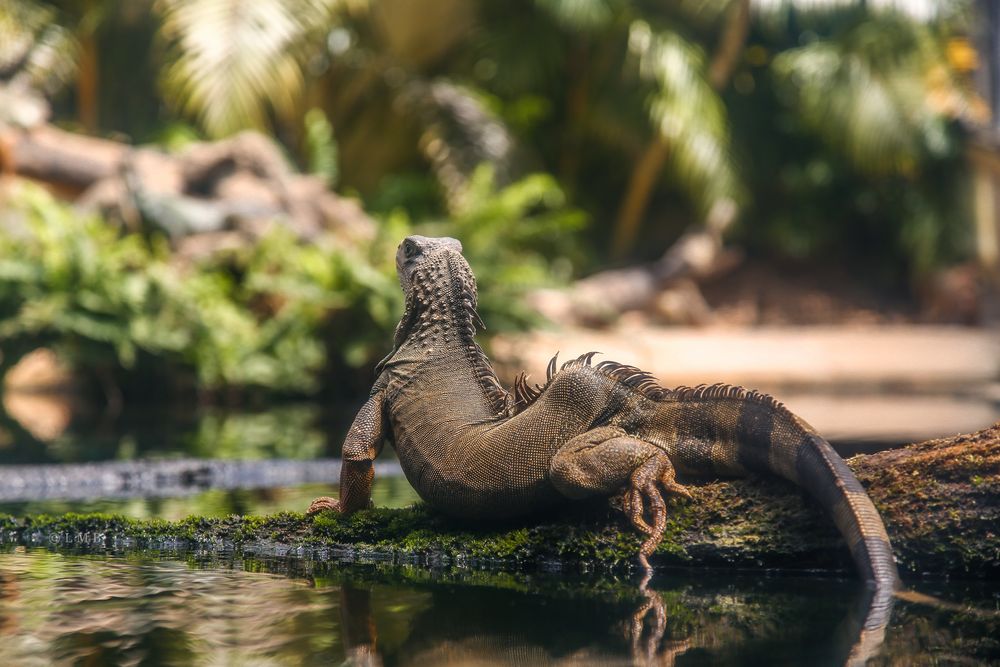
940,501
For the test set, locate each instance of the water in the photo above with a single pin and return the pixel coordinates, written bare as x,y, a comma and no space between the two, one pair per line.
94,446
101,609
191,609
387,492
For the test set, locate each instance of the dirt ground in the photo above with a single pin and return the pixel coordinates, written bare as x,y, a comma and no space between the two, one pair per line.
759,293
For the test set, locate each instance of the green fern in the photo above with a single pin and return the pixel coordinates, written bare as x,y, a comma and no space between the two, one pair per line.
321,147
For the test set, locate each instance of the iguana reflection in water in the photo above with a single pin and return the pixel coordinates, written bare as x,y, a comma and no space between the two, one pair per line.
103,609
478,625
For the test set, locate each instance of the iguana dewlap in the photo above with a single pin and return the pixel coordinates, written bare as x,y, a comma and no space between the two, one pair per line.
472,449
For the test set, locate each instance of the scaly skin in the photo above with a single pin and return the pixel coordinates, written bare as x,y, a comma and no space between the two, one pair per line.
471,449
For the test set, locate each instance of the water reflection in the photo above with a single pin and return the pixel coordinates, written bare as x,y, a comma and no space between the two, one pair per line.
388,491
62,609
300,433
289,431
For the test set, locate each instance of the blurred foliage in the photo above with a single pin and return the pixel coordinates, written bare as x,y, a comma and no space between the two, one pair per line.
509,237
321,147
835,125
269,315
857,142
117,303
176,136
887,116
282,432
229,62
34,49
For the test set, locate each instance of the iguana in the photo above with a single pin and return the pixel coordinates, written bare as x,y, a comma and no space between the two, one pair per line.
472,449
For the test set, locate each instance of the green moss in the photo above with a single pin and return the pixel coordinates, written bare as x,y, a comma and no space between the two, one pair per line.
411,531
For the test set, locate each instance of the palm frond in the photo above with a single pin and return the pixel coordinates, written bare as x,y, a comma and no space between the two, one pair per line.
583,15
876,93
687,113
34,49
228,61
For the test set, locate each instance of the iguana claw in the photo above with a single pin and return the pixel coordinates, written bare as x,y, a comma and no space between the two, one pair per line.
323,503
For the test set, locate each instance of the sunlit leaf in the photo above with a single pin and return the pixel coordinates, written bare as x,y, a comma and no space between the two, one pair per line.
877,93
230,61
686,112
583,14
923,10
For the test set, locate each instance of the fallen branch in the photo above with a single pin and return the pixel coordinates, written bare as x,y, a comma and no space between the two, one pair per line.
225,192
666,286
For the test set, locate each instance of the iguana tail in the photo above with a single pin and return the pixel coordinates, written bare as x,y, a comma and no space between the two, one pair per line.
728,430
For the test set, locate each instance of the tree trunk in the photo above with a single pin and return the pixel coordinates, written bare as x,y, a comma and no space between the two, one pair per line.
734,37
640,188
87,83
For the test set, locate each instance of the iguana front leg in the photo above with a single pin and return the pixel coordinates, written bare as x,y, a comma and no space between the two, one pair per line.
606,460
363,443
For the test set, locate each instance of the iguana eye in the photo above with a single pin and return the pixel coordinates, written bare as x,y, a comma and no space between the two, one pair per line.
409,249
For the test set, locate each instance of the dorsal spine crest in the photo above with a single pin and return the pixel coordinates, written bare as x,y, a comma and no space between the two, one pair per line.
643,382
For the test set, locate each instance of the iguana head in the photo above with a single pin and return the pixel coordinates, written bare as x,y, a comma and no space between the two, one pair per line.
439,286
424,259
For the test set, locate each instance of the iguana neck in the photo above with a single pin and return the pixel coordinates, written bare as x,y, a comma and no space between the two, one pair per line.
440,321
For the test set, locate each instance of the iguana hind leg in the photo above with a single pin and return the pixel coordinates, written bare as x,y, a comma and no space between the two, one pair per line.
607,461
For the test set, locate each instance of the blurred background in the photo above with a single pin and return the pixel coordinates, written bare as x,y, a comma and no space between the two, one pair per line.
200,202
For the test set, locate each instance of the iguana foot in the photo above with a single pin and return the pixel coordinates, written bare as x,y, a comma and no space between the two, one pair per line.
323,503
643,496
606,460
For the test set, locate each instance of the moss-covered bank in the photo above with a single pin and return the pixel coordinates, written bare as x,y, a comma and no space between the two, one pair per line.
940,500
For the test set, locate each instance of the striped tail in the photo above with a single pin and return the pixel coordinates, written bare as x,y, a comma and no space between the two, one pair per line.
730,431
821,471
